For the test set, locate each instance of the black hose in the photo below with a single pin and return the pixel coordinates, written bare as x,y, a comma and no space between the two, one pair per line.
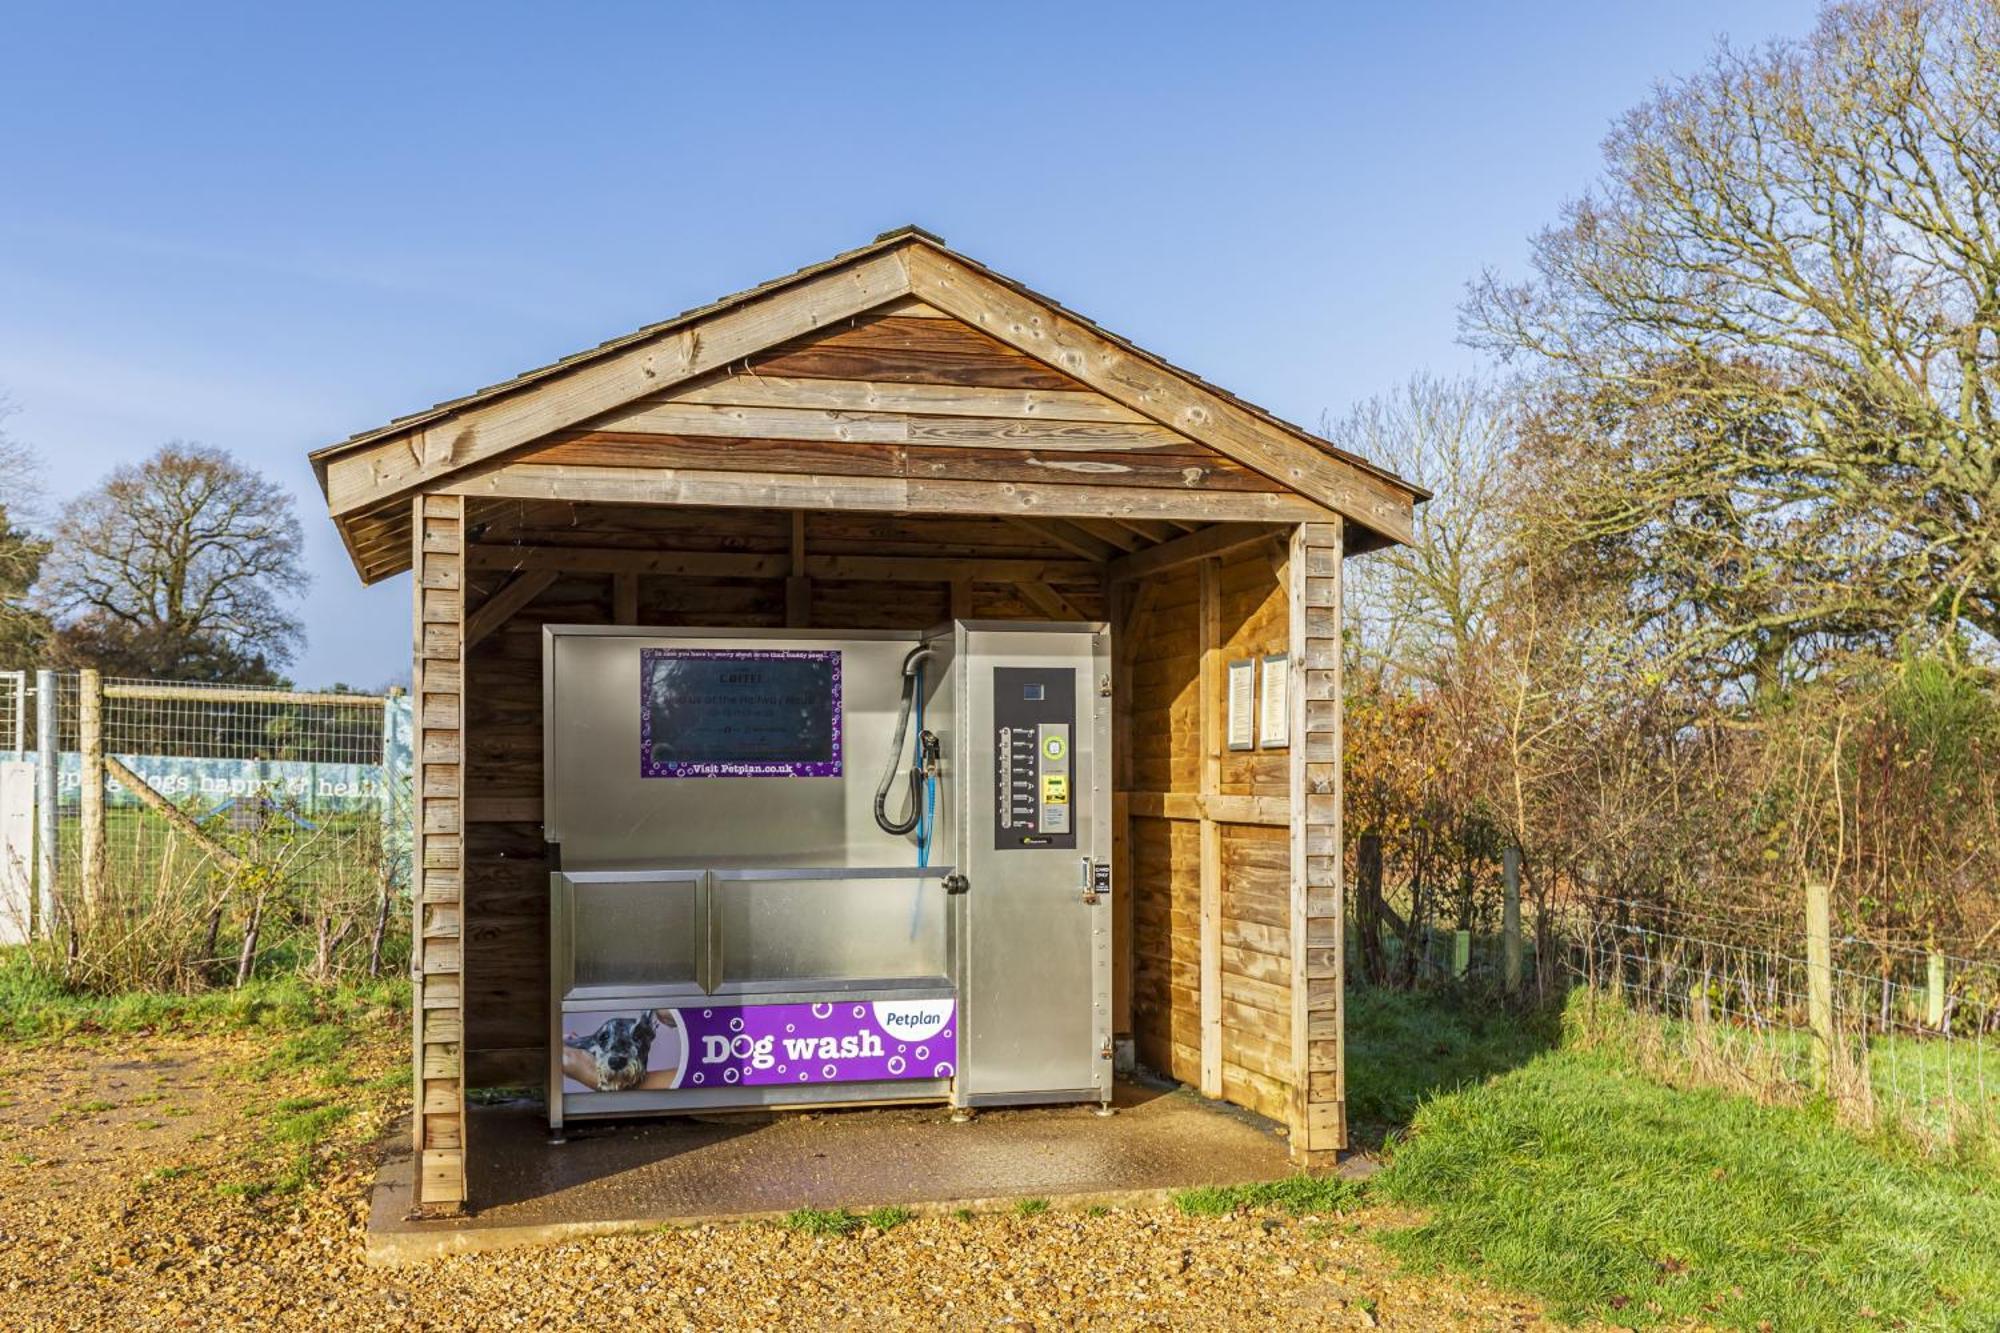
898,828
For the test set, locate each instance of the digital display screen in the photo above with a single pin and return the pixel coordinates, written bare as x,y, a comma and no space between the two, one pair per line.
739,713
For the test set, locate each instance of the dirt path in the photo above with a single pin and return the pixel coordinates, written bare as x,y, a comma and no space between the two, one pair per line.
204,1183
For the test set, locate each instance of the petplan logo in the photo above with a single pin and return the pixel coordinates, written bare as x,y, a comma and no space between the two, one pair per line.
913,1020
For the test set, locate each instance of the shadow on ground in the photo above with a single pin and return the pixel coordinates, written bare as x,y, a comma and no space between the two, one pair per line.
1405,1047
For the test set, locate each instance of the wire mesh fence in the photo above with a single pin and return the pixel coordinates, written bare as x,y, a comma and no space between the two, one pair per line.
1899,1036
13,711
1902,1036
203,833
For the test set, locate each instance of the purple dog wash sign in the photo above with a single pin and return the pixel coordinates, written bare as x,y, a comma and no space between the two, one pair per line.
739,713
833,1042
620,1048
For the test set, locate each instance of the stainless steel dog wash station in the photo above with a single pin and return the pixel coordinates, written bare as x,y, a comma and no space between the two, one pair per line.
798,867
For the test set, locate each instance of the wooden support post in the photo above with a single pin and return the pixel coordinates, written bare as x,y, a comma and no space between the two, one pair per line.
1211,833
438,1106
1934,990
1510,919
90,728
798,588
624,599
1118,599
1819,979
1319,1062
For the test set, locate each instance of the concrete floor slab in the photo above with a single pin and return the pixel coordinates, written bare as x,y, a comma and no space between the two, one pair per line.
636,1174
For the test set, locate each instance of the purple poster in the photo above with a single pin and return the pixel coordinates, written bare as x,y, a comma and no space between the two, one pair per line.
622,1049
739,713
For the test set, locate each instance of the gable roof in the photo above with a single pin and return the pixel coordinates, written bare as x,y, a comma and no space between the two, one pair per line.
428,458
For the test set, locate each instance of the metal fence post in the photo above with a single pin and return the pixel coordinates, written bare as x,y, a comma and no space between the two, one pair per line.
1510,919
1819,980
90,726
48,790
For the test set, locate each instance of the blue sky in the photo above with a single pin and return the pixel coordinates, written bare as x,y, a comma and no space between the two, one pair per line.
267,227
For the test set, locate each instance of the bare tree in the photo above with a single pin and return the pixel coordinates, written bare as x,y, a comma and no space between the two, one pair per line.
22,627
179,566
1423,609
1771,338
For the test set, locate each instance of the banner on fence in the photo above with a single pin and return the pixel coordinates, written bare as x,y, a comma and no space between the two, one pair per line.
205,784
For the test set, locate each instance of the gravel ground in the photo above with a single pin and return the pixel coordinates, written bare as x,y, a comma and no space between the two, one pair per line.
210,1183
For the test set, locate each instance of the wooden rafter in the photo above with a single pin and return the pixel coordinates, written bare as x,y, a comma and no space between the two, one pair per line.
1048,601
1066,535
1111,534
498,609
1219,539
1153,530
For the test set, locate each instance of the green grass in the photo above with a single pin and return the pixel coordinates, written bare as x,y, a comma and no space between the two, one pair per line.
1924,1079
1404,1048
821,1221
34,1007
1608,1195
1031,1207
1297,1195
296,1129
888,1217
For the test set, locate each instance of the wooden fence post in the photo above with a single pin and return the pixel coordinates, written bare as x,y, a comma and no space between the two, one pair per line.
1819,980
1934,988
90,727
1510,919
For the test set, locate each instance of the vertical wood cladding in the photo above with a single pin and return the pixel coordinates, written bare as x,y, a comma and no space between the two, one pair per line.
438,674
1318,1037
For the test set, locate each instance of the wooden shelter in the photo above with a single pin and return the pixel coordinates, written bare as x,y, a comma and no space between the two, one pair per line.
885,440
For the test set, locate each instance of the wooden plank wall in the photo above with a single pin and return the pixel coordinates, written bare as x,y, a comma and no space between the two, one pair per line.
1254,871
438,591
507,864
1163,648
1211,938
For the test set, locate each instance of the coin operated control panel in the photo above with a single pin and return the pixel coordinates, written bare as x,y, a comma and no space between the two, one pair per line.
1034,713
